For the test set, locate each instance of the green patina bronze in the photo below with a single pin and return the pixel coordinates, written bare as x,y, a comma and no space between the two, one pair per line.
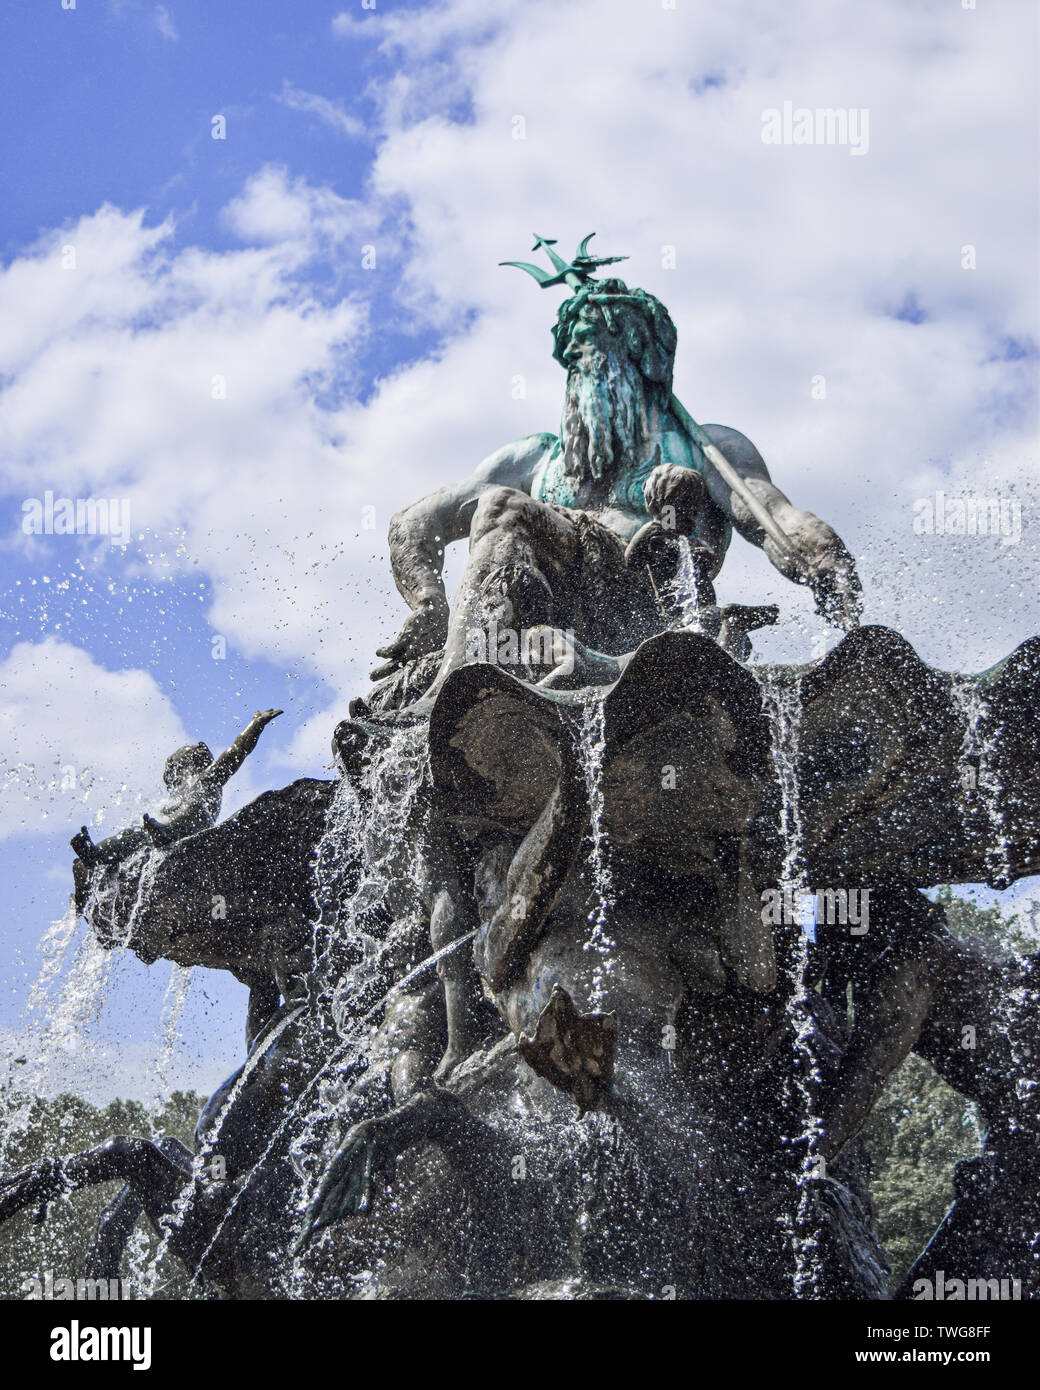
575,274
612,297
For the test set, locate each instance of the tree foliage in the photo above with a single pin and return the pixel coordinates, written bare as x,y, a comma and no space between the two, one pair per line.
918,1131
45,1128
921,1128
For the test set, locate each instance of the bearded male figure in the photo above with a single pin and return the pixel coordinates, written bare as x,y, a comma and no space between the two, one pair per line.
567,532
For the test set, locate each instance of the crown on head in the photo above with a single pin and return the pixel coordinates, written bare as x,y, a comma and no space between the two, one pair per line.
575,273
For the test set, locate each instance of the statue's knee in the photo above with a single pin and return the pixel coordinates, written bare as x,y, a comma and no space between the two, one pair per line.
409,1071
131,1154
122,1154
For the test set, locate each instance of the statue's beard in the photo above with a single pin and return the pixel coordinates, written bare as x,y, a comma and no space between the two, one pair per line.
605,423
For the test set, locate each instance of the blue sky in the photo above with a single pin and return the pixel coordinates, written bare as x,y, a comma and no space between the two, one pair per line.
110,103
113,103
438,138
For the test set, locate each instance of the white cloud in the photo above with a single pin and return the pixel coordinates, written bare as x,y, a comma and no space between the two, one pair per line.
644,126
110,392
301,219
80,742
790,261
345,26
329,112
165,25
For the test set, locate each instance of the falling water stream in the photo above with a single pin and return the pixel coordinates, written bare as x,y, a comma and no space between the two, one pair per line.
169,1027
782,704
364,831
138,1259
54,946
207,1149
64,1002
977,775
979,780
358,863
683,593
593,740
358,860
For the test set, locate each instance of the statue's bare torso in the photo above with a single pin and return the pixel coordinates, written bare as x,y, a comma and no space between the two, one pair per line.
536,465
545,515
514,488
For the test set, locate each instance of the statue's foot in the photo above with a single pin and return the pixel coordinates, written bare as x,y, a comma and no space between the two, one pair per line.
369,1153
572,664
453,1057
346,1189
745,617
738,619
404,718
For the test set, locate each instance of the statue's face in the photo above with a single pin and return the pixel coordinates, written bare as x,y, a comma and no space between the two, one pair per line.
587,340
606,417
618,346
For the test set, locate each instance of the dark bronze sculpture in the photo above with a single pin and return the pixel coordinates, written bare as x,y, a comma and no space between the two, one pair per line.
195,782
521,963
562,529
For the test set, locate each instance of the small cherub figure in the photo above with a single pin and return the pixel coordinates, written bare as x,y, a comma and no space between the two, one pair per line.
195,782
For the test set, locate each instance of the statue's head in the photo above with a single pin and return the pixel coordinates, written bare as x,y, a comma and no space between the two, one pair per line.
618,346
606,316
186,763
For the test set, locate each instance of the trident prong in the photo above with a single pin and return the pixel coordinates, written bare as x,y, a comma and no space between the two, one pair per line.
576,273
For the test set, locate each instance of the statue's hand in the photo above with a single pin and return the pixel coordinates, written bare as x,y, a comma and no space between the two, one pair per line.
263,717
37,1187
84,846
423,631
674,496
652,545
655,551
836,588
659,550
823,562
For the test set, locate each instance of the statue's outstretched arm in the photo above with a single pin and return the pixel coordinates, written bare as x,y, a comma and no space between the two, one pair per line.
817,556
232,758
419,534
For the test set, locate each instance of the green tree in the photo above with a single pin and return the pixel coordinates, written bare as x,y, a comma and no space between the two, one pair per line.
67,1124
921,1128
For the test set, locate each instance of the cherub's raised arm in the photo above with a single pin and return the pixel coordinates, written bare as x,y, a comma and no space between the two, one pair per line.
232,758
